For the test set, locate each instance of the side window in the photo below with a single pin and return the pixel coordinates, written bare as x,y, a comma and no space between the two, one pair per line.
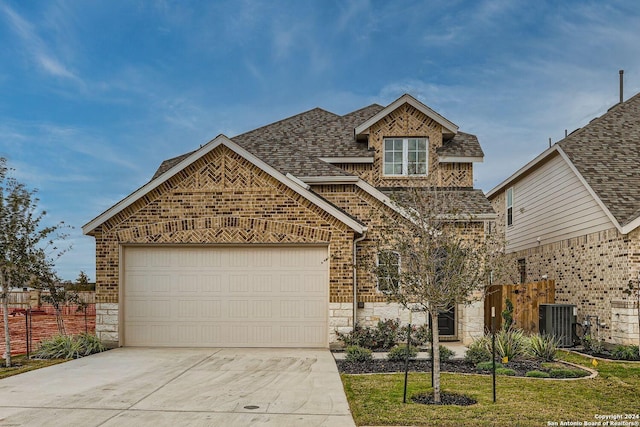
388,271
510,206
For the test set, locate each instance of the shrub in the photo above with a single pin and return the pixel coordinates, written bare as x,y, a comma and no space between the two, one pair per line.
488,366
358,354
420,335
383,337
511,343
626,352
445,354
592,345
537,374
360,336
386,333
543,347
505,371
507,314
567,373
69,347
399,353
479,350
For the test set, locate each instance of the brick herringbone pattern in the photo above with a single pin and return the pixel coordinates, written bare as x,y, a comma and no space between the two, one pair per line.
220,199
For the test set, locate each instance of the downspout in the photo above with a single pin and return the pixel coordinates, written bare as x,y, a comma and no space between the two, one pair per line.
355,276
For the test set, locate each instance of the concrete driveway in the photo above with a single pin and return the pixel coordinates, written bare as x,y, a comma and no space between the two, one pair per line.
174,387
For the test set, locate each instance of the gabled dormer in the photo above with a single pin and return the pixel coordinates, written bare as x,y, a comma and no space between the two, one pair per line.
415,146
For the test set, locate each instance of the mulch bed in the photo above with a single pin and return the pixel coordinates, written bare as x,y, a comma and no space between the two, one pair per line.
43,327
445,399
379,366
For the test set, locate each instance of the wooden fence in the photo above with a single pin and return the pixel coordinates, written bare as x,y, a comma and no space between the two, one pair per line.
526,299
33,299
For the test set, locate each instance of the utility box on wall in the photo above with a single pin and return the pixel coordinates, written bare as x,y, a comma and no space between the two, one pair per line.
558,320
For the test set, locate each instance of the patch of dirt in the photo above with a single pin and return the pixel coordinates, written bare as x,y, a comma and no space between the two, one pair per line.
445,399
378,366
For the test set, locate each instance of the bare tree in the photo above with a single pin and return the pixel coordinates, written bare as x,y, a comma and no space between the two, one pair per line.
22,241
57,295
444,257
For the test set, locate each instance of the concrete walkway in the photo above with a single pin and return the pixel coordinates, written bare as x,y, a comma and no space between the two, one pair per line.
181,387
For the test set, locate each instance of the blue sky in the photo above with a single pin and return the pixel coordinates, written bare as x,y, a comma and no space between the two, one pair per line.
94,95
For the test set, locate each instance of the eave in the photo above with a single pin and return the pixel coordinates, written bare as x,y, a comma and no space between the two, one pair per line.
294,185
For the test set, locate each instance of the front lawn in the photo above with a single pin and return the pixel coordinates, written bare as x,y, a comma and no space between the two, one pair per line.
377,399
21,364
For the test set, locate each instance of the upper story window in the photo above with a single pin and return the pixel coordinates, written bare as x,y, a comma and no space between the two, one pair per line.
510,206
388,271
405,156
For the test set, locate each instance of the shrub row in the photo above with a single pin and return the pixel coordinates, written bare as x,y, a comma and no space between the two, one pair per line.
384,336
69,347
512,344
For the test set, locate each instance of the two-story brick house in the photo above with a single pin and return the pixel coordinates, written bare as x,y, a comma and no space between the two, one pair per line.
572,215
261,239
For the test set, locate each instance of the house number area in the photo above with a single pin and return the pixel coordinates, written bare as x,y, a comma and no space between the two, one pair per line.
603,420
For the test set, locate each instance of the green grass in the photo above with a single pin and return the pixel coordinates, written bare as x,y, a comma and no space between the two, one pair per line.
377,399
22,364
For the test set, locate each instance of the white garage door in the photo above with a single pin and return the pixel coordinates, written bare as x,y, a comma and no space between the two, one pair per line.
246,296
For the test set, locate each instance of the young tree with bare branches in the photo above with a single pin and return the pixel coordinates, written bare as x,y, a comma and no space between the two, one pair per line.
444,258
23,241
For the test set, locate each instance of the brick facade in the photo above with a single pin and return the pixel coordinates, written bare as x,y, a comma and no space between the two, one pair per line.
221,199
590,271
407,121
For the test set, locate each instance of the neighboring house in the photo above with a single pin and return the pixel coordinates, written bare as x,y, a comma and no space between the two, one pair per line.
265,239
573,214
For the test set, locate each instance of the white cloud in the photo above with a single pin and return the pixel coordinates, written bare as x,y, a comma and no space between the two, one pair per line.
36,47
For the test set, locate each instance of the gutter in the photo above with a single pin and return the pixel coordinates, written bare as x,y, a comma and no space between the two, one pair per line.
355,276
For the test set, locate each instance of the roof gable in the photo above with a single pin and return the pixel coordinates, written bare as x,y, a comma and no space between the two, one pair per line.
604,154
448,127
186,160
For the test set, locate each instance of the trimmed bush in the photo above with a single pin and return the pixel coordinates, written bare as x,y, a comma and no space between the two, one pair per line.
537,374
69,347
399,353
445,353
479,350
488,366
383,337
543,347
505,371
360,336
358,354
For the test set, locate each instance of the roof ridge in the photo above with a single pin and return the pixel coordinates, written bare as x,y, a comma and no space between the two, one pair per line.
284,120
599,118
362,109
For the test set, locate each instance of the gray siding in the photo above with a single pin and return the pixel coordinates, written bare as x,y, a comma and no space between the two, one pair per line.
552,204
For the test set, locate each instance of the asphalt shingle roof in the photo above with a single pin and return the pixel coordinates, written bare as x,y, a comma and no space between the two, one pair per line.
461,145
606,152
462,201
296,144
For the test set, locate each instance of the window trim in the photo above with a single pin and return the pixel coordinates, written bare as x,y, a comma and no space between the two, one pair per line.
378,278
509,206
405,156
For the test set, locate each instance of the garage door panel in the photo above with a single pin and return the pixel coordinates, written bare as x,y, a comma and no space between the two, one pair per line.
221,296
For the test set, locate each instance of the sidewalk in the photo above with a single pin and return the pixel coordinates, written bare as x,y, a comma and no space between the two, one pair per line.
457,347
